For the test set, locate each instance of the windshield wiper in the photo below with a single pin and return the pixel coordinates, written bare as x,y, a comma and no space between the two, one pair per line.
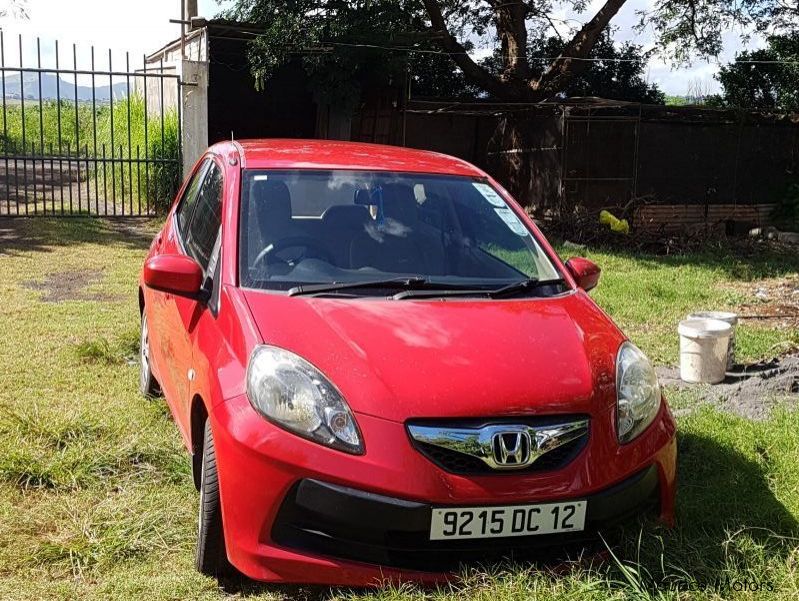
504,291
393,284
523,286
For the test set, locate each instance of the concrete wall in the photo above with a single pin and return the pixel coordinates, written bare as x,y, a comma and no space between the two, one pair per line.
193,71
194,128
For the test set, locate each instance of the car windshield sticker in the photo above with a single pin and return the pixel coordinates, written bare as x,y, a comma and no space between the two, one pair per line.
489,194
510,219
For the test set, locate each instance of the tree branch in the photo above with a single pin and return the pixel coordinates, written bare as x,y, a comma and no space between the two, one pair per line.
563,68
482,77
512,33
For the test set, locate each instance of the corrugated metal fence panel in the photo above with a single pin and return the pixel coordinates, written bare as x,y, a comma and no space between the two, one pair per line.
676,218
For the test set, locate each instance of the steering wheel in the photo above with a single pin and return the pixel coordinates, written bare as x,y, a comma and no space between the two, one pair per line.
270,253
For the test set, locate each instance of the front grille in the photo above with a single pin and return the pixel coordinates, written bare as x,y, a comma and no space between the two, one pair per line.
463,464
458,463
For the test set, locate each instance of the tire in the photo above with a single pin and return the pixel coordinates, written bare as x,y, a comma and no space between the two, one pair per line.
148,385
211,558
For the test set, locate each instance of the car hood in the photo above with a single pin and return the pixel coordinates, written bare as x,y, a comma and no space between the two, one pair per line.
401,359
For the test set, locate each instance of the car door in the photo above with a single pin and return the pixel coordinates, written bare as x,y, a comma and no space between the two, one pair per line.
198,242
160,305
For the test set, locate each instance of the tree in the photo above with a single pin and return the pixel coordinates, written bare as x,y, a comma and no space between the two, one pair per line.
613,72
347,45
352,42
682,28
16,9
766,79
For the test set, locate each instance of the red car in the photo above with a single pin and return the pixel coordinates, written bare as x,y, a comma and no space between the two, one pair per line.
382,369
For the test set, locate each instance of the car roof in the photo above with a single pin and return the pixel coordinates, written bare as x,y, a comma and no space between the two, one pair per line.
334,154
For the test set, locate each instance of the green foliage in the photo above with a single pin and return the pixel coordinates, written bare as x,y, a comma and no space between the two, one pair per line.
671,100
765,86
347,45
156,181
339,70
67,129
42,127
328,39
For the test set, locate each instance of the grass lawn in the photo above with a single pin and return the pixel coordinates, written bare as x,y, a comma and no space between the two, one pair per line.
95,494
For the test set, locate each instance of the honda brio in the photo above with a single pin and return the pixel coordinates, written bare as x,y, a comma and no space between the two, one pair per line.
382,370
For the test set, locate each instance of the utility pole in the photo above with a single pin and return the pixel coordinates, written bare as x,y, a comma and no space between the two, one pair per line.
188,10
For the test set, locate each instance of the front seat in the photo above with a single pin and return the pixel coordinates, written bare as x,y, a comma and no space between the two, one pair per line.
270,216
340,225
270,205
401,244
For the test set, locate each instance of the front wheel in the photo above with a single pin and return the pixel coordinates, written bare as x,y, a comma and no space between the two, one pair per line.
211,558
148,385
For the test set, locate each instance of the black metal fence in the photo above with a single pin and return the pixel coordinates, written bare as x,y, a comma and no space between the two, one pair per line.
87,140
598,154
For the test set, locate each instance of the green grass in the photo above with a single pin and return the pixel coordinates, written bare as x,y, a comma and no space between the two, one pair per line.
95,494
647,295
127,139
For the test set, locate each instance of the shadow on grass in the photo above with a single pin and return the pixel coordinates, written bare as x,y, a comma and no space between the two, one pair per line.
45,234
730,527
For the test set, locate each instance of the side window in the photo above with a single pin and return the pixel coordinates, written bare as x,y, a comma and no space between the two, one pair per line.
204,225
189,200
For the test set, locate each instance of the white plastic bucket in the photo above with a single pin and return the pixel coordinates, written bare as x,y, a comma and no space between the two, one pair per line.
725,316
704,344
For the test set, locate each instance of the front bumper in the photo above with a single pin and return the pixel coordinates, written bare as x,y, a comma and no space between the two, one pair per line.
326,519
295,511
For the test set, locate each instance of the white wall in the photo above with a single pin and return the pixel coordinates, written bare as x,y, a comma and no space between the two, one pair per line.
195,111
193,70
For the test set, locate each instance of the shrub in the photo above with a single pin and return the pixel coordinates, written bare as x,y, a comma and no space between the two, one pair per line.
60,128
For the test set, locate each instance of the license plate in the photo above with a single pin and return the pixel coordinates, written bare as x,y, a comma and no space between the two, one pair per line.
502,521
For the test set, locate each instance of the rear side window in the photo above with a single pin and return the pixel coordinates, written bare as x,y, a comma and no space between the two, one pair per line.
205,222
189,200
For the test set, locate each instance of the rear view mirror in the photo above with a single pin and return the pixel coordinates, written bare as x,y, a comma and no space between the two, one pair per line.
174,274
585,272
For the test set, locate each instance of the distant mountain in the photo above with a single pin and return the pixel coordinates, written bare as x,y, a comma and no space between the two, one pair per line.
51,84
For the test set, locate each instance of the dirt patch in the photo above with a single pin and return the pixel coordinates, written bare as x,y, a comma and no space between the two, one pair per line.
772,303
69,285
750,391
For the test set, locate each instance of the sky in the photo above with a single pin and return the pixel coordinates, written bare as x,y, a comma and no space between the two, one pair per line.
143,26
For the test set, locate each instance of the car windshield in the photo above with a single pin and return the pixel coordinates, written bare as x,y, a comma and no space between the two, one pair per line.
302,228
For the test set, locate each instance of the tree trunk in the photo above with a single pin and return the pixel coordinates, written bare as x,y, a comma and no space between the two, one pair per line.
503,90
512,32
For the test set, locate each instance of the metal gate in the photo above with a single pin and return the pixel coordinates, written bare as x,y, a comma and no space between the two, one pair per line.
86,140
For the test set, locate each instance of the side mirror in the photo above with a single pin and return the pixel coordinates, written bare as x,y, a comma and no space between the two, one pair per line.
585,272
174,274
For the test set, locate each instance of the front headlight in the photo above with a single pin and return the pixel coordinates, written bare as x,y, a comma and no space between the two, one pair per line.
637,392
292,393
